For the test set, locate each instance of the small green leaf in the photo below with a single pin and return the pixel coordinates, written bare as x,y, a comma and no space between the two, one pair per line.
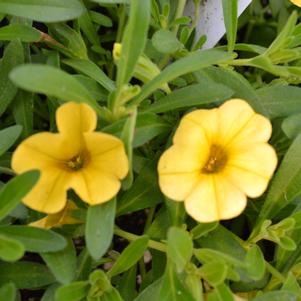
74,291
151,292
8,137
291,126
255,263
8,292
18,31
179,247
214,272
165,41
62,263
99,228
221,293
10,249
129,256
43,11
26,275
202,229
230,19
14,191
276,296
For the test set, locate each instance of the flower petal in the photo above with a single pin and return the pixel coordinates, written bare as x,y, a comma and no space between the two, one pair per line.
252,184
260,159
95,187
296,2
178,186
49,195
233,115
214,198
75,117
40,151
107,154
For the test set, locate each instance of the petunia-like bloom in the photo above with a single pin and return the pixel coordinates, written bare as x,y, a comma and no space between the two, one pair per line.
296,2
91,163
63,217
218,158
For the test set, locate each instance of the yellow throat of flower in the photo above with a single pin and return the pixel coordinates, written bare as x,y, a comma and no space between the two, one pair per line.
216,160
76,163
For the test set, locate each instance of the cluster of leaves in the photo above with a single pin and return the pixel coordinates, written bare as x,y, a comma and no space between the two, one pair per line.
56,51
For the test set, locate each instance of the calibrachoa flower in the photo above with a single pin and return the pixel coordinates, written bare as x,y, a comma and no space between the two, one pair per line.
296,2
63,217
91,163
218,157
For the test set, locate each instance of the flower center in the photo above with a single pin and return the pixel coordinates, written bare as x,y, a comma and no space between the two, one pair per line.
216,161
76,163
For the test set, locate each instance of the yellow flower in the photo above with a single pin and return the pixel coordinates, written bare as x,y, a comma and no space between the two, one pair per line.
296,2
218,157
91,163
63,217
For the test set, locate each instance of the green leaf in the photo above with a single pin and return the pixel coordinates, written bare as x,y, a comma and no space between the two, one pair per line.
165,41
129,256
255,263
230,19
111,1
285,185
172,288
14,191
8,292
8,137
191,63
133,41
18,31
276,296
62,263
127,284
26,275
43,10
179,247
52,82
92,70
221,293
112,295
10,249
144,192
99,228
13,56
214,272
75,291
291,126
280,100
151,292
202,229
205,92
291,284
35,239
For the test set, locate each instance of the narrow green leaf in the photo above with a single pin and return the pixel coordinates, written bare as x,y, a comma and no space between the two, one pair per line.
99,228
26,275
18,31
62,263
255,263
8,292
179,247
13,192
8,137
129,256
13,56
35,239
291,126
10,249
221,293
202,229
92,70
191,63
151,292
230,19
75,291
52,82
134,39
276,296
43,10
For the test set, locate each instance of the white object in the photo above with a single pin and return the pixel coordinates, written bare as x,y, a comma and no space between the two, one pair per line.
211,21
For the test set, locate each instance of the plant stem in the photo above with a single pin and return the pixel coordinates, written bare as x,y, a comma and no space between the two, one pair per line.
179,13
131,237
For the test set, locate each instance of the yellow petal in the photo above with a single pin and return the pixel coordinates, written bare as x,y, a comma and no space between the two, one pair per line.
107,154
95,187
214,198
233,116
40,151
260,159
180,159
50,192
296,2
252,184
178,186
208,121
